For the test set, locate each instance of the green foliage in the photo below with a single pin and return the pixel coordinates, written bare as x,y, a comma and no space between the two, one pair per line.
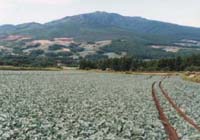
56,47
137,48
29,61
32,46
75,105
86,64
127,64
75,48
36,53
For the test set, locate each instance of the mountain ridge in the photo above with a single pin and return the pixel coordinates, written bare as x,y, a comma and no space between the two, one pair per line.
100,12
98,35
78,25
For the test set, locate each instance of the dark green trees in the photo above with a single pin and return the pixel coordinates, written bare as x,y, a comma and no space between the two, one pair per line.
132,64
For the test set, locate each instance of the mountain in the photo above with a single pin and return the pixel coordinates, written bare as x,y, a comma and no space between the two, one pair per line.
91,32
102,25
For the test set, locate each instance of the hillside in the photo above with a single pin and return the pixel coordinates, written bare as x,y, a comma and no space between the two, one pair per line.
102,24
98,35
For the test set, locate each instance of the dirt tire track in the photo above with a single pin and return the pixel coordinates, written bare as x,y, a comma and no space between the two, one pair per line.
169,129
179,111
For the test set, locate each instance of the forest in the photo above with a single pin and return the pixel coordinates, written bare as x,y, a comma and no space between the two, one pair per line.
190,63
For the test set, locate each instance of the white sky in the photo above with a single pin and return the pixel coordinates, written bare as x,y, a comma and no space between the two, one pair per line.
185,12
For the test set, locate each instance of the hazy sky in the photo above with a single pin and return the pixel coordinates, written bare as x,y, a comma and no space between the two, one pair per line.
185,12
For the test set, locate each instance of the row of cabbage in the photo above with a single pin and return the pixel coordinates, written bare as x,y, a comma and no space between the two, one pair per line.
186,94
187,97
77,106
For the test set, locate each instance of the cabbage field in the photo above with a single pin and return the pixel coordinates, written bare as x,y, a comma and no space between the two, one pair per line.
187,97
76,105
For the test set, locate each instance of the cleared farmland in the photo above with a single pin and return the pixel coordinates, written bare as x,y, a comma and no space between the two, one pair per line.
78,105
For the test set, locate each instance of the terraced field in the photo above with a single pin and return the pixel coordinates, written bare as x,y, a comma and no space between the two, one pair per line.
75,105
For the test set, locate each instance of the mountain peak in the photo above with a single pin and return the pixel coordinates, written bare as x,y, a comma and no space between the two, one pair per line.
100,12
102,25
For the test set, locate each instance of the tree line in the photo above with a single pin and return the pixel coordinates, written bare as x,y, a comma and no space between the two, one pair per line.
191,63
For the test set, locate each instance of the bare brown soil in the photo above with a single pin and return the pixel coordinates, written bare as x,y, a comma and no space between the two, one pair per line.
169,129
179,111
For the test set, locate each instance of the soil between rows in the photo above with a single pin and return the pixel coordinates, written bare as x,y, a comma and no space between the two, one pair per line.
169,129
178,110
